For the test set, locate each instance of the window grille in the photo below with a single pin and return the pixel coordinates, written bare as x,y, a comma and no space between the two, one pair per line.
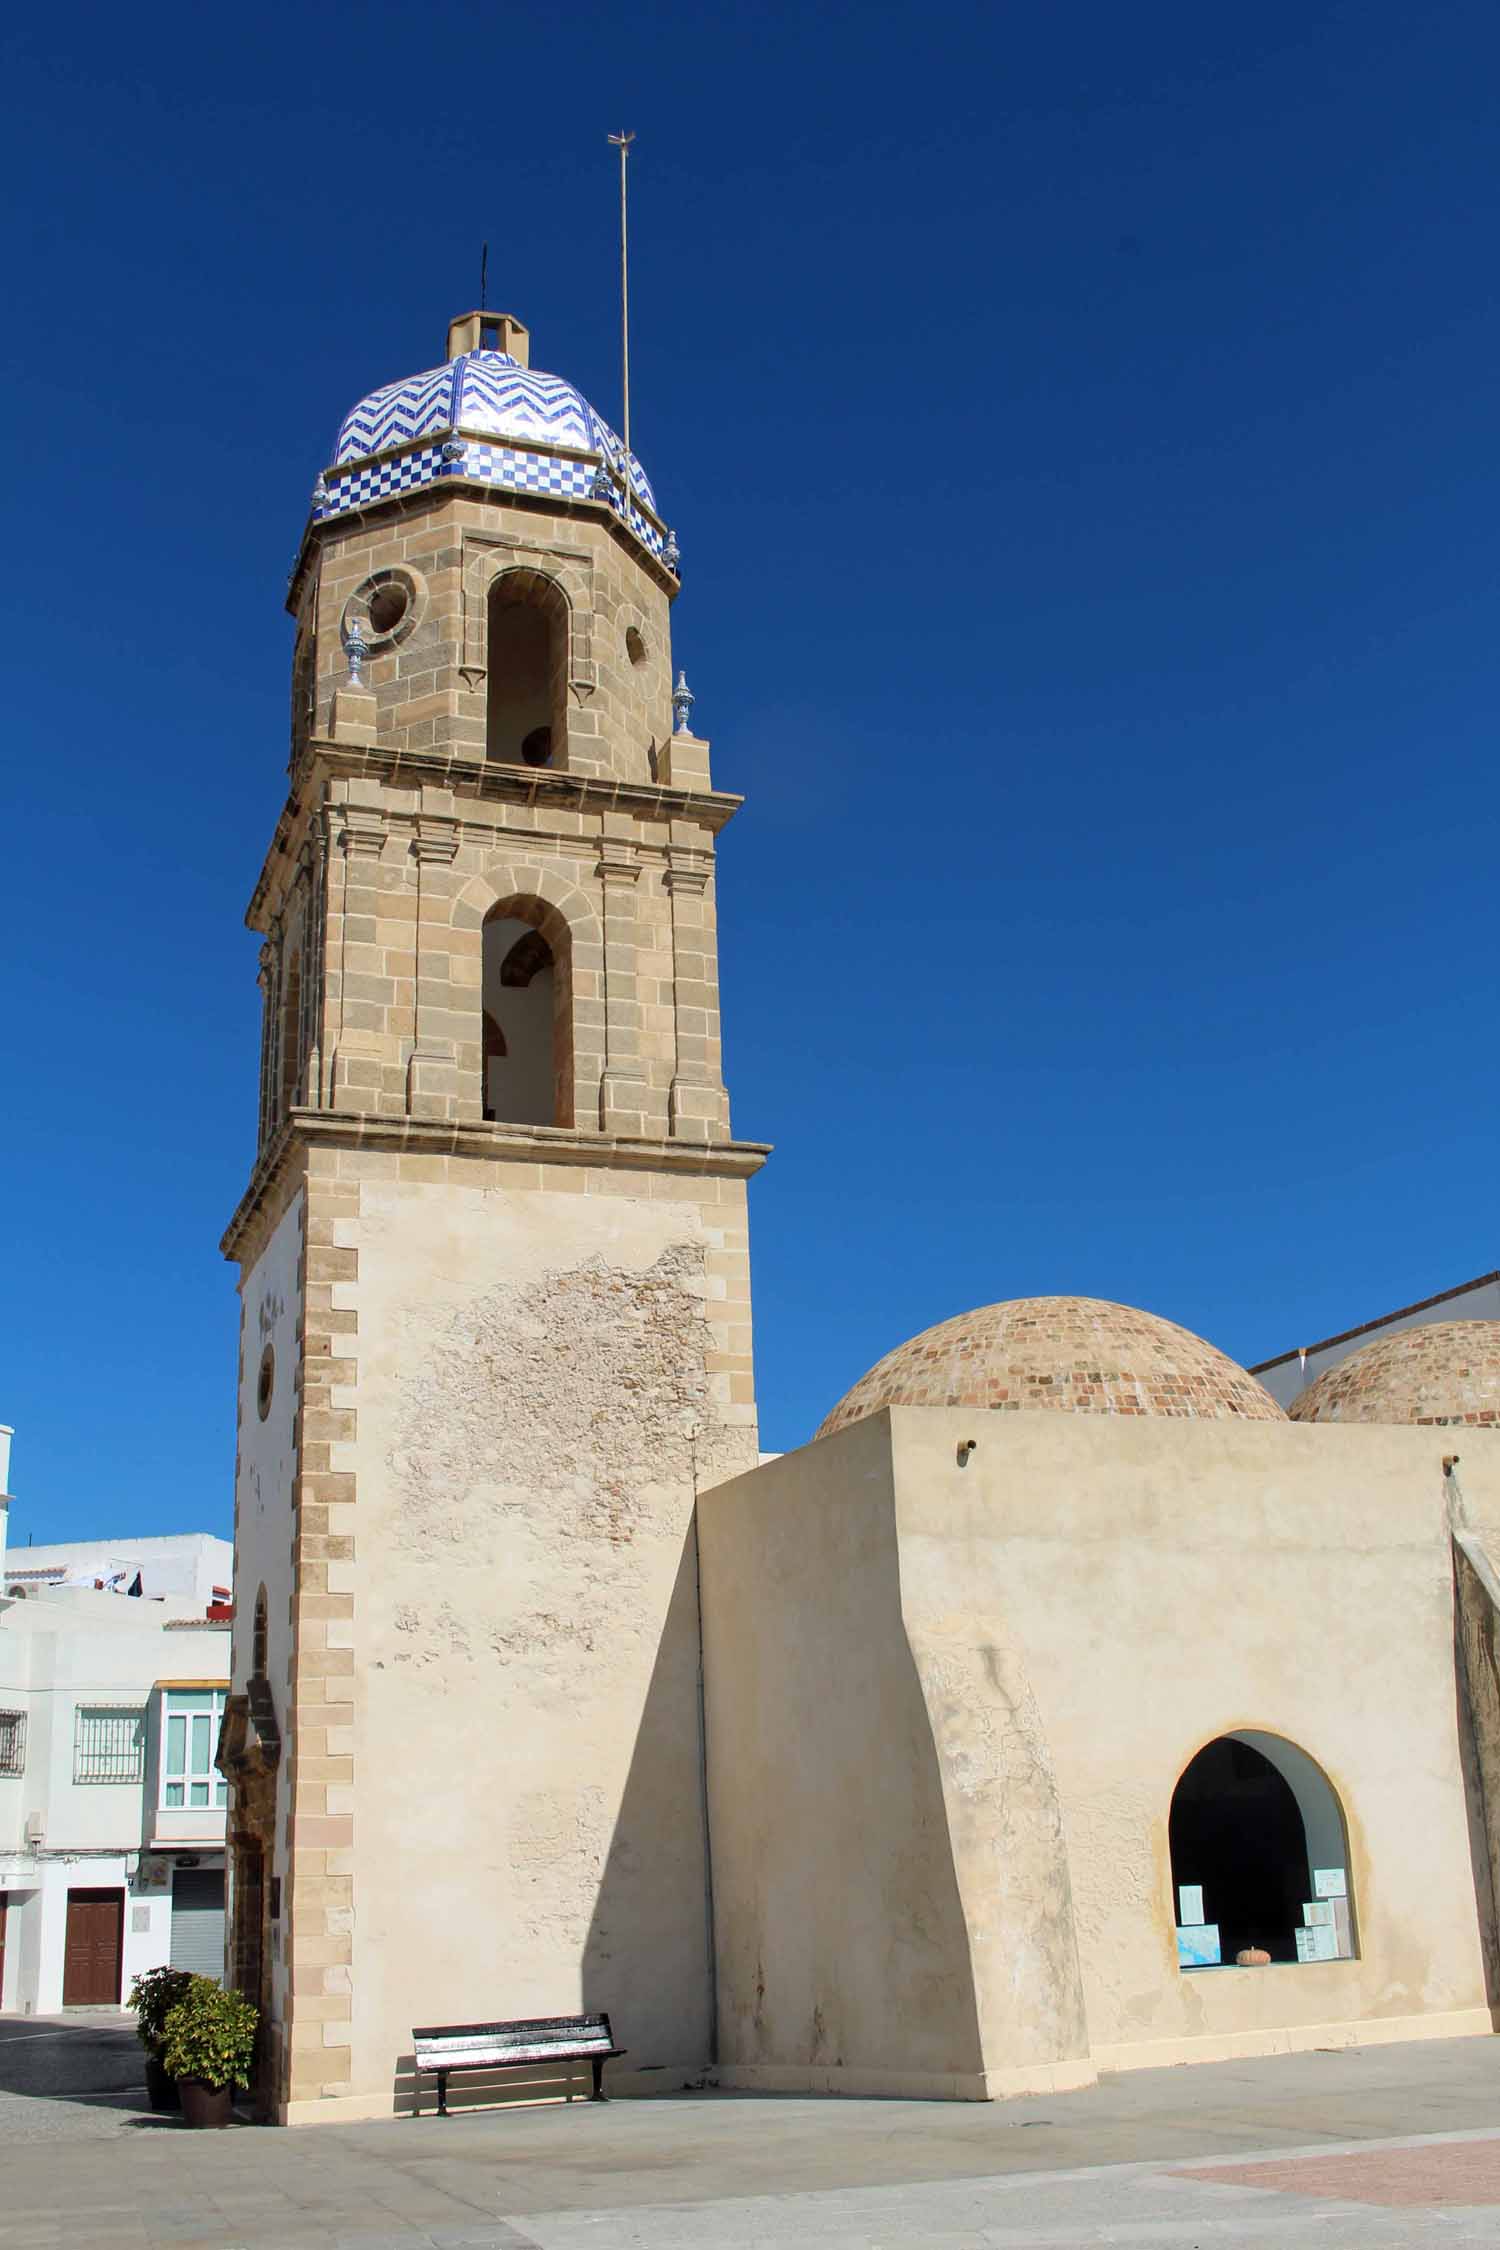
12,1741
109,1745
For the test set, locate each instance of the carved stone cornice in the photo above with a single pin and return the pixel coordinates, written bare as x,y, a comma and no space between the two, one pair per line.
361,831
498,1144
487,779
618,862
688,870
436,839
475,780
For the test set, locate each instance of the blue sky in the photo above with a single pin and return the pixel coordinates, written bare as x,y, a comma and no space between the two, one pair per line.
1079,424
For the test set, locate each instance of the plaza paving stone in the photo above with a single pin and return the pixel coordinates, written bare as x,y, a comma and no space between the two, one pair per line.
1356,2150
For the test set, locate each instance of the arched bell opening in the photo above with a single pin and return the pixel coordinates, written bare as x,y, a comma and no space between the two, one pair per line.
526,1042
1260,1855
526,657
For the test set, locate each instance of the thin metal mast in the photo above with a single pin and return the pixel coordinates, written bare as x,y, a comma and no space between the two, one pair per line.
622,142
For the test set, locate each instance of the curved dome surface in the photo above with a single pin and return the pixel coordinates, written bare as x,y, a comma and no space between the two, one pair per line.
1447,1371
485,417
1066,1355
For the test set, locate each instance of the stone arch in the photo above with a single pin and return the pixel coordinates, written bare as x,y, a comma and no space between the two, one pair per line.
527,654
1253,1819
486,558
569,924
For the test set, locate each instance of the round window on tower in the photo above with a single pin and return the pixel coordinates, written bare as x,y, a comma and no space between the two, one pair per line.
387,607
265,1384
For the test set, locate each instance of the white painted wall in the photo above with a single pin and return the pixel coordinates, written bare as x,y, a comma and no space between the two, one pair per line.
1287,1376
186,1569
60,1650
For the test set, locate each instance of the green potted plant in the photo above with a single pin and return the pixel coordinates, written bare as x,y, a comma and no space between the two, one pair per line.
151,1995
209,2038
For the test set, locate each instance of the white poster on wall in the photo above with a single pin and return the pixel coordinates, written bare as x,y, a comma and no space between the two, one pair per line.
1329,1882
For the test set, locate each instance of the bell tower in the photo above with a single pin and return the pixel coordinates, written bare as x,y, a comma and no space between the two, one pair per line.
495,1328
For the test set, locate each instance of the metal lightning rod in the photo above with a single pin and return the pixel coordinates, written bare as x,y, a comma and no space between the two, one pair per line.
622,142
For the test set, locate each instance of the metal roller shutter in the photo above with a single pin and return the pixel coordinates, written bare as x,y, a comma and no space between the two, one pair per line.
198,1920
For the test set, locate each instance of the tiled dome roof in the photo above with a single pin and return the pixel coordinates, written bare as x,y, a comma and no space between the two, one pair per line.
1072,1355
485,417
1447,1371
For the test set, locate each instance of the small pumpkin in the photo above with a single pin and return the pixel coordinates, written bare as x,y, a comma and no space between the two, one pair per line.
1252,1957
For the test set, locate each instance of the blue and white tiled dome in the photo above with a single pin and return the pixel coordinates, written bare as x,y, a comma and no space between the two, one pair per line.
485,417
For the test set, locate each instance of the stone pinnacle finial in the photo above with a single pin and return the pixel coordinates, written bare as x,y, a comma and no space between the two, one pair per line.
671,554
357,648
683,700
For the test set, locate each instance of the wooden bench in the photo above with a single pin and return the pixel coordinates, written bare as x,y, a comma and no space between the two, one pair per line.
510,2046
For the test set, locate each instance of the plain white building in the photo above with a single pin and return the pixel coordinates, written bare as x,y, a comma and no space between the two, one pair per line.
111,1809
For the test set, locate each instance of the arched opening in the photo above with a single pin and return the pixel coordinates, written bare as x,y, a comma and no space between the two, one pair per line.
291,1035
526,1044
1259,1855
260,1637
526,709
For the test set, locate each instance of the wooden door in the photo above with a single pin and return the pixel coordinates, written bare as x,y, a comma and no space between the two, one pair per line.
91,1954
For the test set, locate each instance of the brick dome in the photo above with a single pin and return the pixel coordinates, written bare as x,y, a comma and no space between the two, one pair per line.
1069,1355
1447,1371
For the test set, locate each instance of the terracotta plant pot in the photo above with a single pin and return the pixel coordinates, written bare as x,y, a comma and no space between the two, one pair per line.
161,2086
205,2107
1253,1957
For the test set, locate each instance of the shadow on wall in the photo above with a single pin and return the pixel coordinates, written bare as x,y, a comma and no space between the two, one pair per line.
1477,1690
843,1943
645,1959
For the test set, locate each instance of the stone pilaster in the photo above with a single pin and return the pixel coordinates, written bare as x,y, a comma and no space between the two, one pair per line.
699,1108
432,1081
624,1099
361,1050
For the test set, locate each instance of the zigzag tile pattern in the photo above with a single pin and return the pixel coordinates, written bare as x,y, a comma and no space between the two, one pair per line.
398,413
484,396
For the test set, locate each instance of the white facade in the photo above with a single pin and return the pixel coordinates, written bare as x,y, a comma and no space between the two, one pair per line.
187,1568
1290,1373
111,1813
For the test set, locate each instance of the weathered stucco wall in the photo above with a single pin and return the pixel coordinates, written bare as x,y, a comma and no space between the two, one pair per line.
1084,1605
859,1772
1164,1582
536,1394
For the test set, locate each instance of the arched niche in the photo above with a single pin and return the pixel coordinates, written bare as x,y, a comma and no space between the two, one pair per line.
526,1035
526,660
1254,1820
